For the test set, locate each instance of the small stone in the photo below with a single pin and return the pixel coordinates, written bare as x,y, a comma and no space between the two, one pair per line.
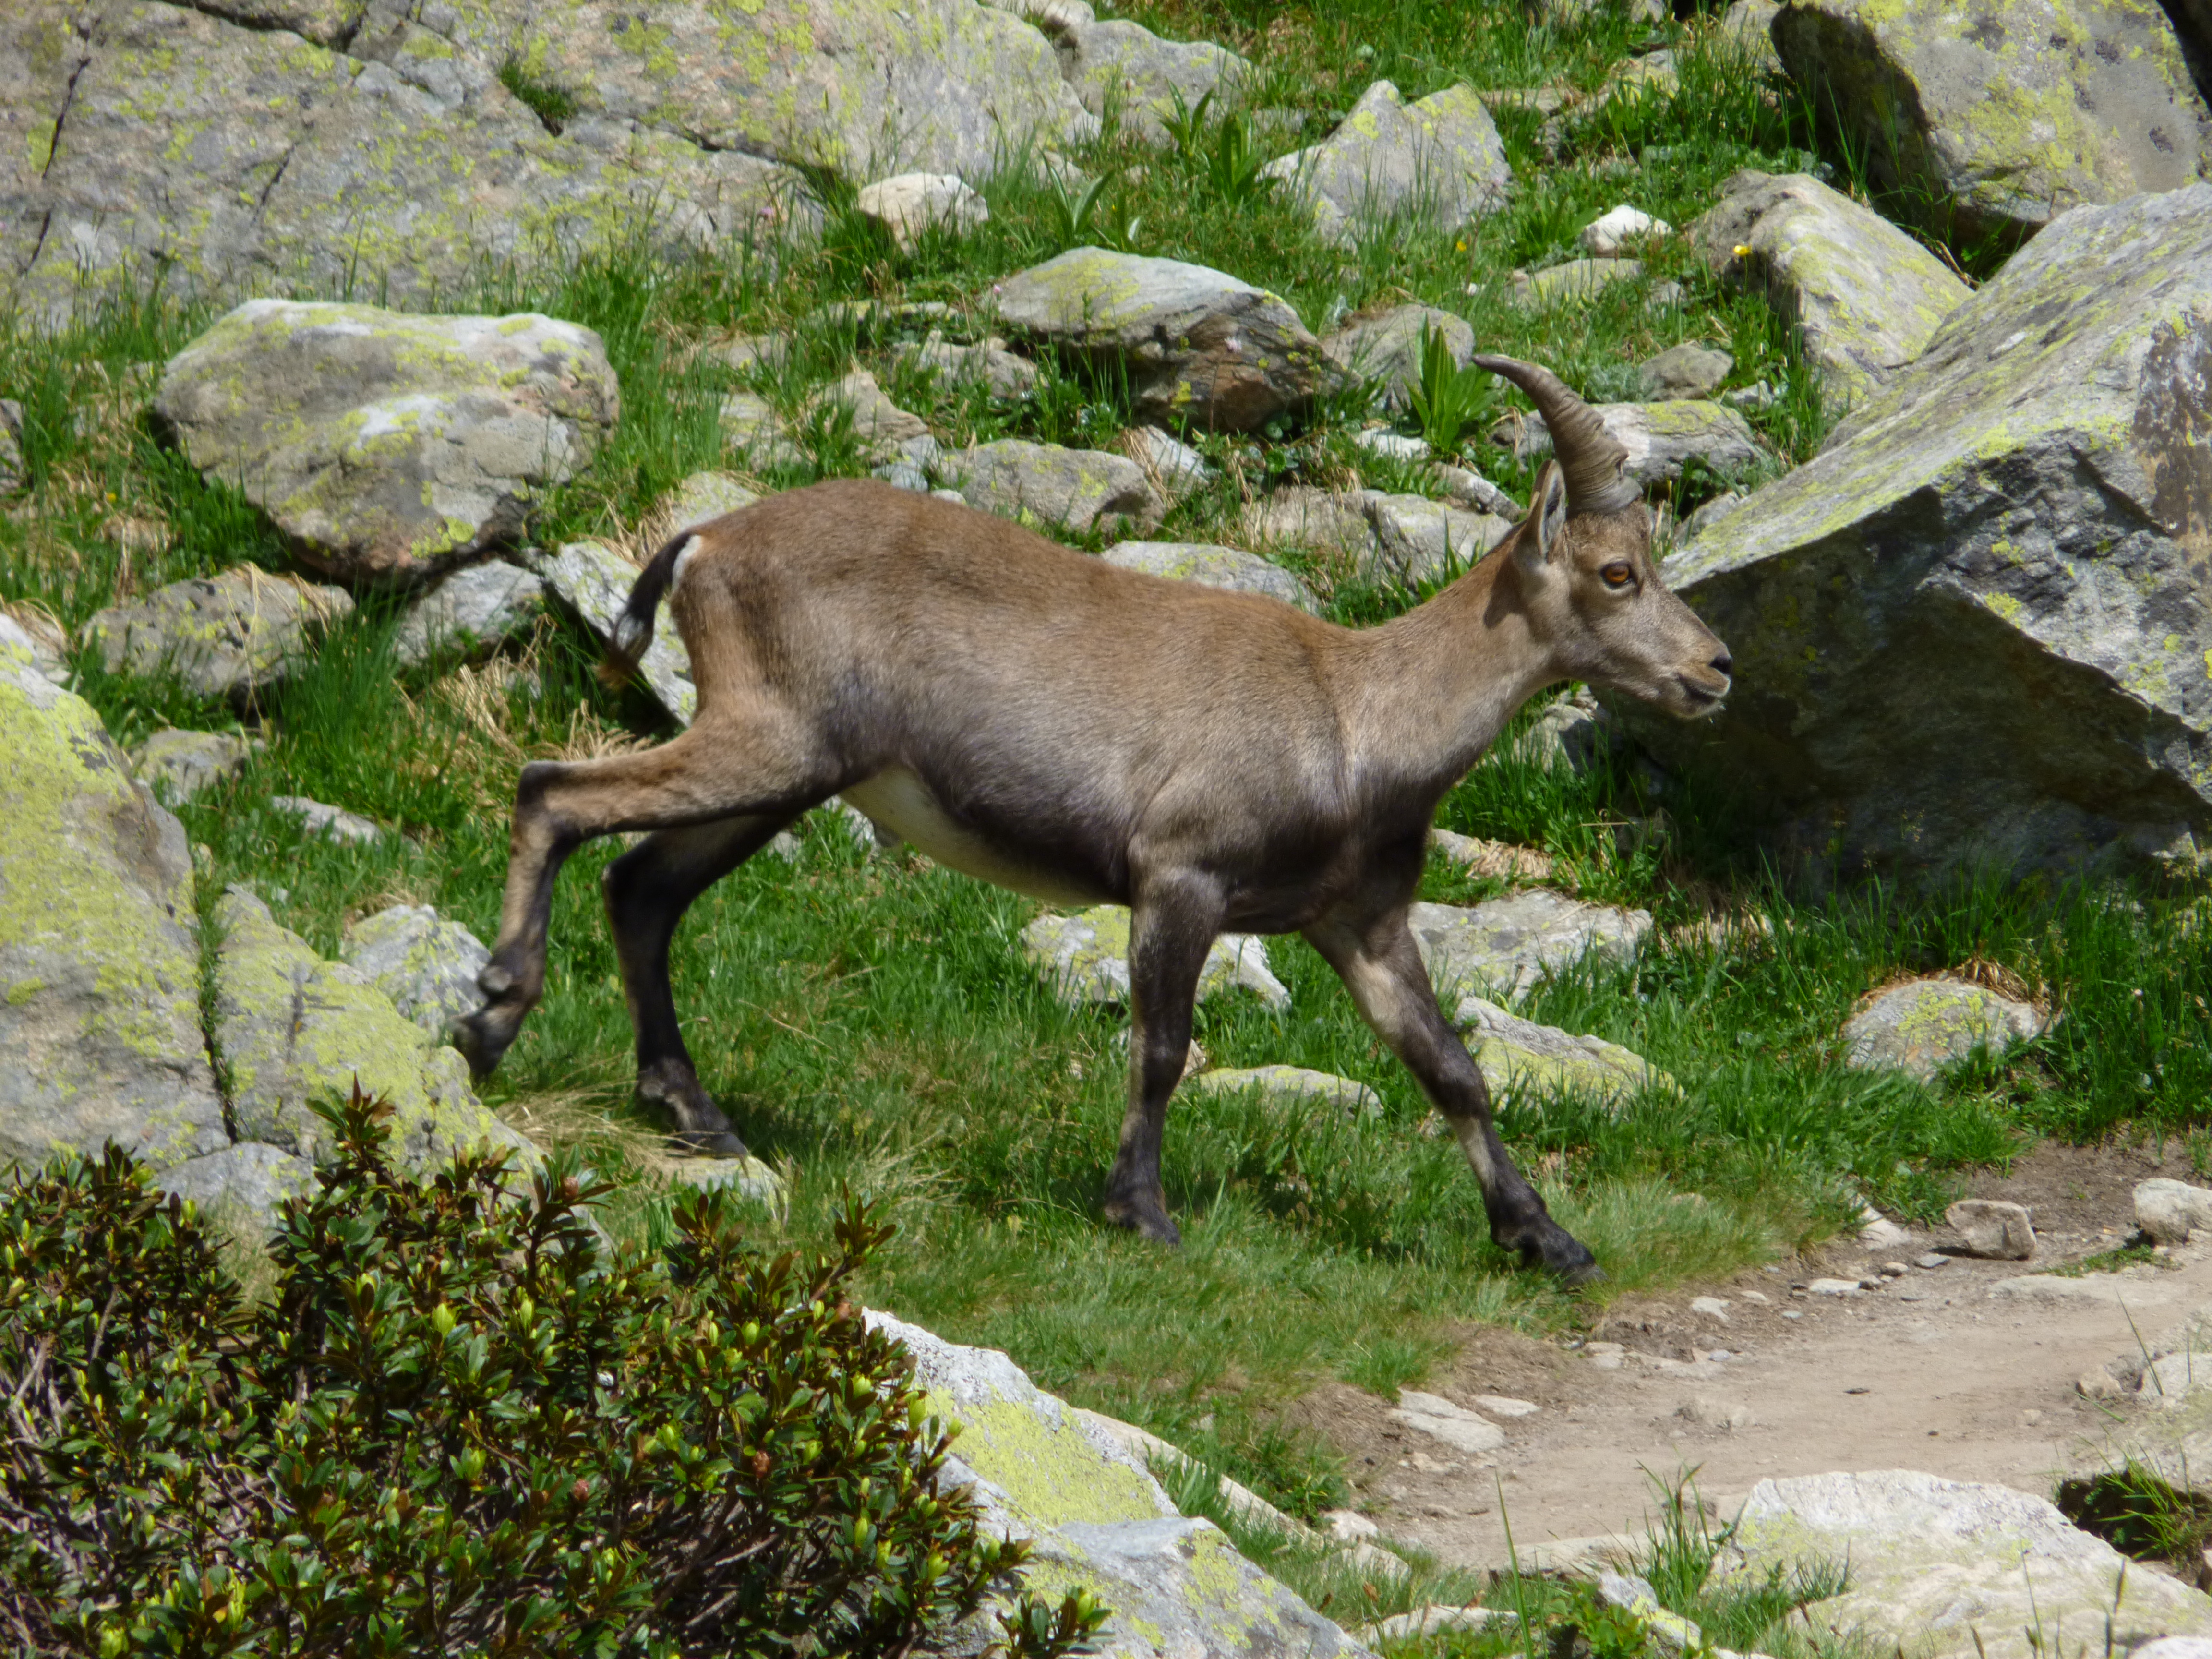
1520,1058
1455,1425
1499,1405
753,430
1480,856
1760,1297
1086,958
1712,1307
1833,1287
176,765
1576,282
2169,1211
1292,1085
1926,1024
1710,1412
227,635
1003,373
473,610
1348,1526
1606,1356
1792,1313
1877,1231
912,204
879,425
1993,1229
748,1177
1894,1270
1624,227
1436,1619
1173,466
1503,946
1393,445
1688,370
1932,1261
594,582
1662,439
317,819
701,498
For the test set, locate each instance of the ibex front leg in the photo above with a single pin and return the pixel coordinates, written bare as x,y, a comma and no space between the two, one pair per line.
1171,927
1381,967
705,775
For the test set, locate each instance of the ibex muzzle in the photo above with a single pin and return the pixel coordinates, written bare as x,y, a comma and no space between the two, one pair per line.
1042,720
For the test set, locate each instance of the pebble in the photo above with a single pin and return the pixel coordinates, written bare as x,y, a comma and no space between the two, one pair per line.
1793,1313
1712,1307
1349,1525
1606,1356
1760,1297
1499,1405
1932,1261
1894,1270
319,819
1834,1287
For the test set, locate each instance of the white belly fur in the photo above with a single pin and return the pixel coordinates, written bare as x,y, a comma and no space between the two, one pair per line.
897,800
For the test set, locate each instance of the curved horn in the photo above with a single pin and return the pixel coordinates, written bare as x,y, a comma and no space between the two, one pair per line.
1589,456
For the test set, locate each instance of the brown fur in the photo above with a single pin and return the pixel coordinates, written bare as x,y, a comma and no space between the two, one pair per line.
1215,761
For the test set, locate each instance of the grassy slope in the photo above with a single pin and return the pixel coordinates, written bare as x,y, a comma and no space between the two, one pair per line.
869,1021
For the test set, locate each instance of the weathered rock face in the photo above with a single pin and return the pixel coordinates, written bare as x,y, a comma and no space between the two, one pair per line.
1145,75
1520,1057
471,613
1660,438
1974,630
1440,160
1077,489
594,582
425,963
1926,1024
1950,1569
2011,117
386,446
1387,347
1504,945
1864,295
291,1028
99,982
1689,370
1196,344
221,637
234,156
177,765
1212,567
1086,959
1096,1519
910,204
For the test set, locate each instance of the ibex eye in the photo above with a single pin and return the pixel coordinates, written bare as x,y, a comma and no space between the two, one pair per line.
1616,575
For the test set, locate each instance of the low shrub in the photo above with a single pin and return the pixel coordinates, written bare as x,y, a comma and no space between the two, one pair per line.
463,1424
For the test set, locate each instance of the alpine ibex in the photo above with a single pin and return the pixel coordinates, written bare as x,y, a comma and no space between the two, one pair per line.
1037,718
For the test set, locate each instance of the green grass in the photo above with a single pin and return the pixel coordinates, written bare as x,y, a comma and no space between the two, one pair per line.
869,1021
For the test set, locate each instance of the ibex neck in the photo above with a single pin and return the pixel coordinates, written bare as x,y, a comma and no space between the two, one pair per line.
1440,681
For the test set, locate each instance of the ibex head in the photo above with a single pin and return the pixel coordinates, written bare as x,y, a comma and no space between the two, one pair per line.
1592,589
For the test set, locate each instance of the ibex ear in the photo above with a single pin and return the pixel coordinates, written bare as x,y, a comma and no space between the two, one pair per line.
1548,518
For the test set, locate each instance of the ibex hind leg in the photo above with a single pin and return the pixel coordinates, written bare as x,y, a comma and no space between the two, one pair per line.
708,775
1381,967
647,890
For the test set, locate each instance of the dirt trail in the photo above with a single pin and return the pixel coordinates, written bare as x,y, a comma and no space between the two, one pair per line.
1931,1373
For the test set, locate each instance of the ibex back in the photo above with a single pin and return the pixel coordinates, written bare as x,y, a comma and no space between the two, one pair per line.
1042,720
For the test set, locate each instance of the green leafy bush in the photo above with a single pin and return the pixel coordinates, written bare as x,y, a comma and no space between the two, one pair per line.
463,1425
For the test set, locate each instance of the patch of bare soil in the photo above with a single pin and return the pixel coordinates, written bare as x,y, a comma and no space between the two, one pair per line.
1764,1376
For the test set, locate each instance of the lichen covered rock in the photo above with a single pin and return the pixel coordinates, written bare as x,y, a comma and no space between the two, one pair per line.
472,612
1378,537
1386,348
1195,343
99,982
1927,1024
1097,1520
594,582
1212,567
1864,296
1949,1569
177,765
1520,1058
1503,946
386,446
1661,438
1086,959
2007,117
291,1028
223,636
1146,77
1440,160
1057,489
425,963
1289,1085
1975,628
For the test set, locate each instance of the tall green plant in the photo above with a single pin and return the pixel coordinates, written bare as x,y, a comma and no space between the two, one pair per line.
1450,401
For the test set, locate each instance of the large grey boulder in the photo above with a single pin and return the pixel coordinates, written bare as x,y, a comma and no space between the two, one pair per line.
142,141
1440,160
471,613
1385,347
387,446
592,582
1085,958
2005,122
1952,1570
291,1028
1865,296
100,958
1661,438
1972,630
426,964
1067,489
1378,537
1096,1519
1503,946
229,635
1144,76
1195,343
1924,1025
1231,567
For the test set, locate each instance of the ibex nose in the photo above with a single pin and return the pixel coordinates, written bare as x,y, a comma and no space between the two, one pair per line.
1724,664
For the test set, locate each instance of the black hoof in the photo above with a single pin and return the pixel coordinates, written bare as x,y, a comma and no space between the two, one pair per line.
1148,1221
1560,1254
480,1045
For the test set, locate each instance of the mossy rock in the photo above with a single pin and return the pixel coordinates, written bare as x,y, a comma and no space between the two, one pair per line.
1439,160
